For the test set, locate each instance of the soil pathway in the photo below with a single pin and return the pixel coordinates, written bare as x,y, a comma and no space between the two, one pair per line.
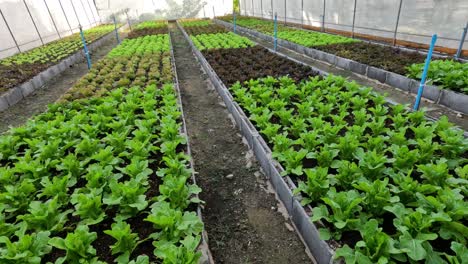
242,216
37,102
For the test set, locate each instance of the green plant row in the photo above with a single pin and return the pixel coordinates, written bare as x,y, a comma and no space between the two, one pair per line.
104,179
198,23
444,73
301,37
122,71
95,164
313,39
141,46
57,50
261,25
385,180
447,74
150,25
220,41
136,62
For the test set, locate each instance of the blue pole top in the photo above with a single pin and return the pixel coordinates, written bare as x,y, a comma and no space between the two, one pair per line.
85,47
116,31
276,32
424,74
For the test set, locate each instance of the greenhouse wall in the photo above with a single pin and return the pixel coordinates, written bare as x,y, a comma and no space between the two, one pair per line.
418,19
168,9
16,15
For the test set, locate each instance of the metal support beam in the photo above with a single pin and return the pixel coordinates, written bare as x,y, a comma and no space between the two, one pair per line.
128,21
34,23
272,14
52,18
261,7
302,13
354,17
76,14
65,15
397,22
99,15
323,15
285,12
462,41
92,13
86,14
9,30
253,10
116,30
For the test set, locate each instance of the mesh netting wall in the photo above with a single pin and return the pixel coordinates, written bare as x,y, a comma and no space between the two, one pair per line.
418,20
54,19
63,20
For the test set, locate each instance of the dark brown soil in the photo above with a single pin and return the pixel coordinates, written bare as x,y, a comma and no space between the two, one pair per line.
11,76
383,57
241,217
234,65
211,29
147,31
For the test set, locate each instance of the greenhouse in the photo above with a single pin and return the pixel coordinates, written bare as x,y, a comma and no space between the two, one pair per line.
245,131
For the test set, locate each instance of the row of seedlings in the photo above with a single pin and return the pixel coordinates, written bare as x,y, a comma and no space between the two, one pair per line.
445,73
384,184
103,176
23,66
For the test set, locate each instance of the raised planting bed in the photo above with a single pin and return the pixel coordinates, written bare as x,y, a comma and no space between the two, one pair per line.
221,41
101,180
302,37
386,58
234,61
448,74
234,65
135,62
195,22
20,67
28,77
148,28
446,97
209,29
197,27
385,184
91,181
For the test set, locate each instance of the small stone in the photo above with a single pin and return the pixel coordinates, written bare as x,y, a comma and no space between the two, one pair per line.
273,208
459,115
289,227
230,176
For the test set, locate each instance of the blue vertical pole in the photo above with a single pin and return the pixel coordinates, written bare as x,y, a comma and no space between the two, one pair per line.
116,31
424,75
460,47
85,47
234,14
276,31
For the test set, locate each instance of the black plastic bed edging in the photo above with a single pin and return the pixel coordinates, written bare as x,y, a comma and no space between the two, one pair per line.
203,246
283,185
453,100
17,93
